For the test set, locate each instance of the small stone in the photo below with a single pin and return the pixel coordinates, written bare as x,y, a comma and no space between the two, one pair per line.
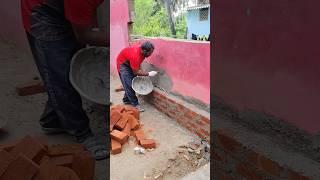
190,150
193,145
152,149
157,176
187,157
201,162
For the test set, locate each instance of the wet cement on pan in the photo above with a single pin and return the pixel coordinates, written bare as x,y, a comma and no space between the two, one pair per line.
89,74
163,81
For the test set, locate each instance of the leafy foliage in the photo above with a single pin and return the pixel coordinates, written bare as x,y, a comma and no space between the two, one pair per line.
151,19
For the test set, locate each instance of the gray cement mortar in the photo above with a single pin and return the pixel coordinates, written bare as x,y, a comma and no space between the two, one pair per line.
164,82
282,133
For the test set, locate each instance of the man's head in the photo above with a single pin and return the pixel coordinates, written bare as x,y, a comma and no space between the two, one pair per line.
147,48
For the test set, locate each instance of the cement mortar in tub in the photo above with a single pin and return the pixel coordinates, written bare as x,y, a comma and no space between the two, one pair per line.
89,74
142,85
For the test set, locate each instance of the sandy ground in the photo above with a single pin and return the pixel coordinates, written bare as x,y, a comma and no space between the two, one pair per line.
22,113
167,133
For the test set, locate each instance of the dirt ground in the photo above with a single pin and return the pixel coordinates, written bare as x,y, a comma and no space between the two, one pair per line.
21,114
152,165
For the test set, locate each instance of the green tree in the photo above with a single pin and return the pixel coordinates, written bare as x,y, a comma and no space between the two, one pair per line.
152,20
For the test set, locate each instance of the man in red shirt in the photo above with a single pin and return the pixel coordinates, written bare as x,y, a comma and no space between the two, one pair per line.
56,29
128,66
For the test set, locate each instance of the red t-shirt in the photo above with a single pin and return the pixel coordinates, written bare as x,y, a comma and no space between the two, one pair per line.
79,12
131,54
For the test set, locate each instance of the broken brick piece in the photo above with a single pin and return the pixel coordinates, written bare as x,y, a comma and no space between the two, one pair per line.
5,159
115,116
84,165
8,146
139,135
64,149
121,123
22,168
134,123
119,136
127,129
30,88
50,171
65,160
118,89
42,140
118,107
29,147
115,147
148,143
133,110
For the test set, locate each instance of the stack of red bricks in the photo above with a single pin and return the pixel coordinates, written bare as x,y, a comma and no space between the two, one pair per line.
125,122
32,159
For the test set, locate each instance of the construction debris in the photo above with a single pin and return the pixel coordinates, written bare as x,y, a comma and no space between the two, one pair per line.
124,127
188,158
33,159
30,88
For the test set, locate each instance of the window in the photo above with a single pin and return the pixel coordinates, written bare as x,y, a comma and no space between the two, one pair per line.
203,16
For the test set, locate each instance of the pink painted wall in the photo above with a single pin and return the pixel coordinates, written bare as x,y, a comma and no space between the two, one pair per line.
267,58
11,24
119,38
187,63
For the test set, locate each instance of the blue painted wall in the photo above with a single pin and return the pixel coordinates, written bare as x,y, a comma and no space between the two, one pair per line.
196,26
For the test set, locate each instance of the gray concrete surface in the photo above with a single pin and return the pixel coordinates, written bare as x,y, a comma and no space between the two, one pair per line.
202,173
22,113
167,133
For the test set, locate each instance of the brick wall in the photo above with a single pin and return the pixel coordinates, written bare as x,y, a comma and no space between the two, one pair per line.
188,116
232,159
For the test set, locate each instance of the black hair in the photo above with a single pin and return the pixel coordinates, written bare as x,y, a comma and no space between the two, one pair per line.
147,46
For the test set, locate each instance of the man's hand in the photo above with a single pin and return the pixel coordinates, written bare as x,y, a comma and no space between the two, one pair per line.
152,73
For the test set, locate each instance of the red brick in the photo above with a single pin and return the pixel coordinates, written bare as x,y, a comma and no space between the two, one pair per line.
139,135
190,114
252,157
118,107
84,165
192,125
30,88
270,166
42,140
127,129
115,147
115,116
8,146
5,160
205,120
296,176
246,171
228,143
200,135
122,122
135,111
206,133
134,123
148,143
65,149
49,171
119,136
29,147
118,89
65,160
22,168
